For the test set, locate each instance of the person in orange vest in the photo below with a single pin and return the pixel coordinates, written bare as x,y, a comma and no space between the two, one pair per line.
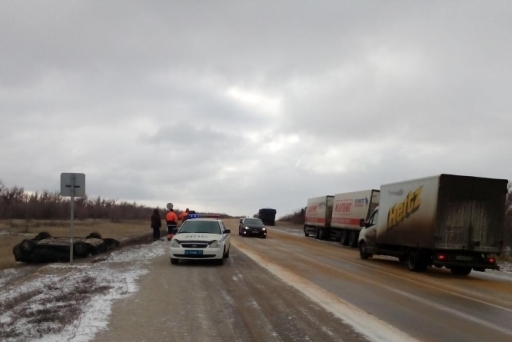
183,215
172,221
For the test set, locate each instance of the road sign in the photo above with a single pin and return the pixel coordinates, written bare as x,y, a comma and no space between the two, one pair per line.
72,184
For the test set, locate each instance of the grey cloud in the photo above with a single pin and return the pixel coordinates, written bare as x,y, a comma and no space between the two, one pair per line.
135,95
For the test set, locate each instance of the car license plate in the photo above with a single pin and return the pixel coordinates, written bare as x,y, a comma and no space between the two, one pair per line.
192,252
464,258
255,231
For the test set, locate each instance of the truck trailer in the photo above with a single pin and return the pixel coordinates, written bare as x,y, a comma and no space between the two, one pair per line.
445,220
317,221
350,212
345,215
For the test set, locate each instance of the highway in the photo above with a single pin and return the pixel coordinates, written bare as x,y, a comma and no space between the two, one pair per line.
291,288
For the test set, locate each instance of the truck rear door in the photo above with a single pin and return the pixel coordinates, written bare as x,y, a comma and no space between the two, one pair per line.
470,213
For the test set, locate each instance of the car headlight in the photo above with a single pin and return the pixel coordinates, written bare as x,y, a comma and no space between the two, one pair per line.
175,243
246,227
263,228
214,244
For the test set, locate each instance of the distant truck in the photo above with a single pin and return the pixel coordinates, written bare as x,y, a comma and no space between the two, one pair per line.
317,221
268,216
342,217
448,221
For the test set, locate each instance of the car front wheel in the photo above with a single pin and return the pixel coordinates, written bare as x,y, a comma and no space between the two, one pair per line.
363,252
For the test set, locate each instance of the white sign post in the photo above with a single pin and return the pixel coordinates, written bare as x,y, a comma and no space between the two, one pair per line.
72,185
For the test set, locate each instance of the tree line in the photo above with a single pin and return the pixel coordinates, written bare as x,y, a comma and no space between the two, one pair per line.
16,203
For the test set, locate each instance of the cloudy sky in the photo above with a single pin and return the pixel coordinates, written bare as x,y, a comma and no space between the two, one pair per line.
231,106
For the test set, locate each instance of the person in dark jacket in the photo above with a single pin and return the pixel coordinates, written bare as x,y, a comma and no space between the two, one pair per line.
156,224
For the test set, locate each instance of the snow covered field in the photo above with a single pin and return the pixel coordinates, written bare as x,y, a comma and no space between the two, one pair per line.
61,302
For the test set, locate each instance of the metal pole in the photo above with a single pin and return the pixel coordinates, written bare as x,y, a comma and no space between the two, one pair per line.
72,216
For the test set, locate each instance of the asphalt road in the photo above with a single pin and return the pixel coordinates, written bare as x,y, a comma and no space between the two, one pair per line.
244,301
238,301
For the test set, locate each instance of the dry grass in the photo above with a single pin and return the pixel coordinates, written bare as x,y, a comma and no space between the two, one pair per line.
16,229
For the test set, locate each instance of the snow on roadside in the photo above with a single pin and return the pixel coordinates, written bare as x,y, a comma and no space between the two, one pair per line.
63,302
10,274
505,266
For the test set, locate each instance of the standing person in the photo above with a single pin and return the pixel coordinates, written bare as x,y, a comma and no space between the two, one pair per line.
156,224
172,221
183,215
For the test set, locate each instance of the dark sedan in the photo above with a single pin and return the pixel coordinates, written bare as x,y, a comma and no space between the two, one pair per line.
252,227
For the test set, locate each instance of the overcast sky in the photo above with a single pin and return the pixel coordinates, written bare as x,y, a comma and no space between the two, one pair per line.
230,106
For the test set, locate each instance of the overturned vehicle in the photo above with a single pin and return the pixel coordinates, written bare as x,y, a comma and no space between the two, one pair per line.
45,248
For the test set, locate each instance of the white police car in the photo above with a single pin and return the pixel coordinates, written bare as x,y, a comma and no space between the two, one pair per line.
201,239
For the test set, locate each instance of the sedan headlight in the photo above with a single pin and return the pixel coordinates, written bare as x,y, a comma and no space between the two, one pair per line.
246,227
175,243
214,244
263,228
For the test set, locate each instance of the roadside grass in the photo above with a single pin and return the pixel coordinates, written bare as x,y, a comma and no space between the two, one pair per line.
13,232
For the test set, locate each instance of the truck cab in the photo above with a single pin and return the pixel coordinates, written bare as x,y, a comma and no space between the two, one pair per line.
368,235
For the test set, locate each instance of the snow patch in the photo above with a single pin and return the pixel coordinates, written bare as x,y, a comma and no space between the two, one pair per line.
80,293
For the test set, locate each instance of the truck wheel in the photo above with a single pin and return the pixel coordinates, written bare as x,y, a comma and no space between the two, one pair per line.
363,252
305,232
321,234
352,239
317,233
27,245
461,270
416,261
344,237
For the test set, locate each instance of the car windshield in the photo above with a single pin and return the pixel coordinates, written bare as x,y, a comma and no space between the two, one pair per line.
208,227
253,222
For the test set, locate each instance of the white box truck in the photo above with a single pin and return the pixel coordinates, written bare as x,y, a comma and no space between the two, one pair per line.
350,212
318,216
448,221
342,217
